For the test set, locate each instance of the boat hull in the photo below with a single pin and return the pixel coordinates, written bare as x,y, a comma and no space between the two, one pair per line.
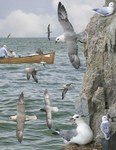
45,58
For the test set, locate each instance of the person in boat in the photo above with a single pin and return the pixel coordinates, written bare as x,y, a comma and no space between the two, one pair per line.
12,54
39,51
3,51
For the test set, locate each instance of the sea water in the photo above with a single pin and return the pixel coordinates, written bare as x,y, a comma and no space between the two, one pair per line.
52,77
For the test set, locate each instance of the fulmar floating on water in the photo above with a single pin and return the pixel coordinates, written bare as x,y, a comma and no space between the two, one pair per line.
69,36
20,118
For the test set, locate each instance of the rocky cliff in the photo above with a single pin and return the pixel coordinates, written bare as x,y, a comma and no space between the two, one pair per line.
99,83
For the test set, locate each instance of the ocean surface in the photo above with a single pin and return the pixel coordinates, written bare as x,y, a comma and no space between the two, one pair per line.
52,77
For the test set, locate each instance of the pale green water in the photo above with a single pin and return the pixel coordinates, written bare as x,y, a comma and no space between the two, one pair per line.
52,77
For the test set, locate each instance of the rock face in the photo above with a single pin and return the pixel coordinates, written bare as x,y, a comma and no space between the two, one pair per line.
99,83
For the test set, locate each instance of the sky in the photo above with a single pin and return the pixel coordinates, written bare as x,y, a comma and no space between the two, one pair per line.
30,18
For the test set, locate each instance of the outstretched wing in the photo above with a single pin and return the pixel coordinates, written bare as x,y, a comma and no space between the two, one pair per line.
49,32
20,118
64,92
48,109
28,76
34,75
63,18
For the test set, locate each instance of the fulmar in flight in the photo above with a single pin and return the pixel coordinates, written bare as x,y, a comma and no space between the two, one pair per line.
69,36
48,32
31,72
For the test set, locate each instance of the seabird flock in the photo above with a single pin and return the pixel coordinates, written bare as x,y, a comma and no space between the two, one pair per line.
82,134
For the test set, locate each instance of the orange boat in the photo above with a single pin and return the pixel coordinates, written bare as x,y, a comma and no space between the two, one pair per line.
44,58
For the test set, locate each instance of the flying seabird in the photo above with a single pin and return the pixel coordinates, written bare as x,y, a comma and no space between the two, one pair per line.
20,118
66,88
106,127
105,11
69,36
48,32
31,72
8,35
82,135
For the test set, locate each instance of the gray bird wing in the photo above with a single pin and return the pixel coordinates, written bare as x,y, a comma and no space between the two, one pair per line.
73,53
48,109
20,118
49,32
68,134
64,92
106,129
28,76
63,18
46,97
34,73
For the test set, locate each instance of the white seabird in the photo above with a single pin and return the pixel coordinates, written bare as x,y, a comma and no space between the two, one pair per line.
69,36
81,135
20,118
105,11
106,127
31,72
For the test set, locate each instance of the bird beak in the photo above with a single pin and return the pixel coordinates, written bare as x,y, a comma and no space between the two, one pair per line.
72,120
55,42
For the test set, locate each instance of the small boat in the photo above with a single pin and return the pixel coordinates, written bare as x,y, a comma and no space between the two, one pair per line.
44,58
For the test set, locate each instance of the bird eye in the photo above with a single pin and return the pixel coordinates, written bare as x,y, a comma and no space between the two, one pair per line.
77,116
